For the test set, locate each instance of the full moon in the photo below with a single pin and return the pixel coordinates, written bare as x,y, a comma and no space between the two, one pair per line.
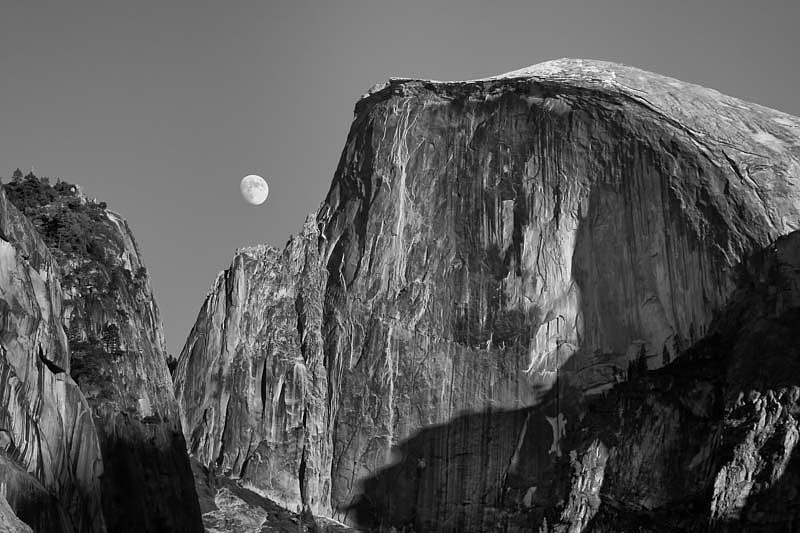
254,189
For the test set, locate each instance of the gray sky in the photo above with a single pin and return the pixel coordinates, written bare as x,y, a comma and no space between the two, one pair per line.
161,107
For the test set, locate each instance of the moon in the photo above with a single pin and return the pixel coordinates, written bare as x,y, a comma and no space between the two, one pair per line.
254,189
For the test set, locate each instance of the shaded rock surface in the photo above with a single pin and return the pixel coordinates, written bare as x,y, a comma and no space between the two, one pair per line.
107,310
120,363
705,443
9,523
445,347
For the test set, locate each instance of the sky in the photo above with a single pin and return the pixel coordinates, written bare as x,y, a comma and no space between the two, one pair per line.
160,107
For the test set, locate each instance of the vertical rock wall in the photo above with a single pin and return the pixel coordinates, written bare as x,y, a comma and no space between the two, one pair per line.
486,248
105,451
256,409
50,460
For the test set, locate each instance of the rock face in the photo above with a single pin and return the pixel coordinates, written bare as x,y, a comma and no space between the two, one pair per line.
50,463
229,507
120,363
251,378
117,358
9,523
705,443
471,335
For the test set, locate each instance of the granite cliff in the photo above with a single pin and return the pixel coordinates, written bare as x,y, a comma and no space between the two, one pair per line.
562,298
101,340
256,352
50,461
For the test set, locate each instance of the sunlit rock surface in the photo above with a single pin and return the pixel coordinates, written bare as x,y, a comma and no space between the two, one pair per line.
50,460
493,260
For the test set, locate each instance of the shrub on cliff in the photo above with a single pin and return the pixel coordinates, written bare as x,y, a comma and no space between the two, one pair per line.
71,225
85,241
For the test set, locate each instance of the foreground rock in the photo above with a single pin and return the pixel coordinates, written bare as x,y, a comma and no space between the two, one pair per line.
50,460
228,506
493,260
118,359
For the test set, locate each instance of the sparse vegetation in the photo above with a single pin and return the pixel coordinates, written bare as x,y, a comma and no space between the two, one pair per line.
88,246
68,222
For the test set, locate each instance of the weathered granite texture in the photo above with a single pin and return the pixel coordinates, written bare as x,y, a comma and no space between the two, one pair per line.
493,257
252,380
704,443
9,523
102,329
120,364
229,507
50,460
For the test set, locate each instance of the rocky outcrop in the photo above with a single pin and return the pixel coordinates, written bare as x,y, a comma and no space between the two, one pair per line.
116,356
494,258
50,460
227,506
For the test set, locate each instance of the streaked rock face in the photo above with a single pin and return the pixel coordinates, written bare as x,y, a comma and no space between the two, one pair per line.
104,452
493,257
706,443
50,465
251,378
9,523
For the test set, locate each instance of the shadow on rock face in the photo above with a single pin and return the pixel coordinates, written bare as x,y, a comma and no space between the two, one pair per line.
705,443
160,488
458,476
30,500
777,508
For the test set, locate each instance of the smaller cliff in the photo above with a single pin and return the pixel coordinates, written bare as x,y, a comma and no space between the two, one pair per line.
230,507
118,357
252,412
